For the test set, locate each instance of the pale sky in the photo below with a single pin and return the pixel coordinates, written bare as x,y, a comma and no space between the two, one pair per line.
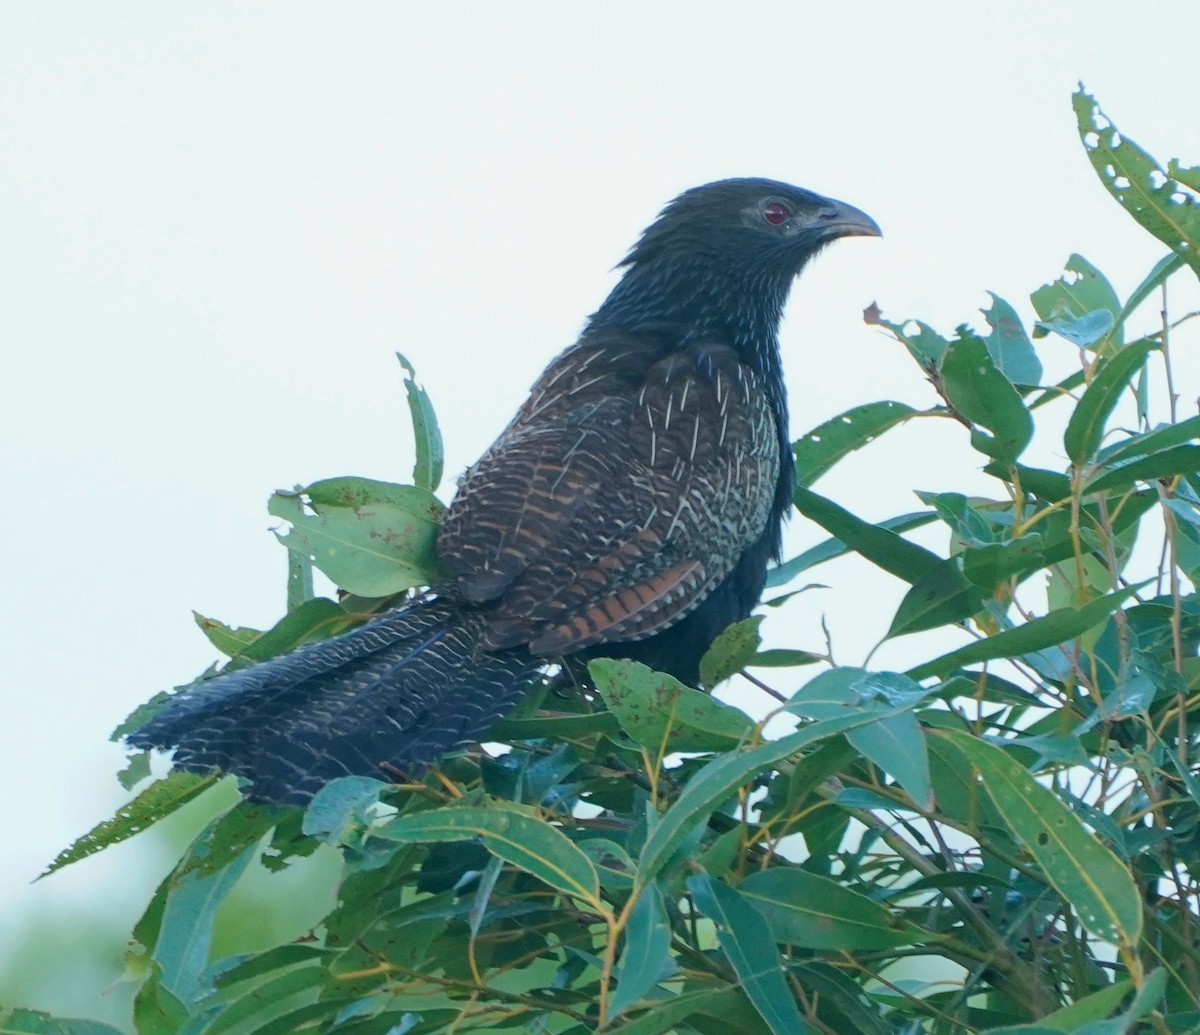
219,221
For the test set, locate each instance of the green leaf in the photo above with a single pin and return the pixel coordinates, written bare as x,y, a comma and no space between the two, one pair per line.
1094,1007
194,893
1080,299
1161,438
299,580
1081,869
896,744
159,800
746,940
1083,331
717,780
1139,183
33,1022
1164,268
1046,485
877,544
228,639
730,652
1048,631
529,843
315,619
993,564
613,863
646,956
783,657
819,450
427,471
371,538
814,912
925,345
831,549
342,810
560,727
974,386
667,1013
1166,464
156,1011
839,1001
891,738
1009,346
849,688
941,596
1085,428
662,714
256,1008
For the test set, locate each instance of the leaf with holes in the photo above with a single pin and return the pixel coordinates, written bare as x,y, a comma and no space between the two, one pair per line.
819,450
1139,183
371,538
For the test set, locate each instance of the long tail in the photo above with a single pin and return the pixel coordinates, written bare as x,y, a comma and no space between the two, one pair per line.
404,689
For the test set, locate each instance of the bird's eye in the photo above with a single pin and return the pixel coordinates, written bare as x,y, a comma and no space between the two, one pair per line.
775,212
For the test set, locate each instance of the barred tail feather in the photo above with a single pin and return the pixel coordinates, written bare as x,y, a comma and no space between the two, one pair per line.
404,690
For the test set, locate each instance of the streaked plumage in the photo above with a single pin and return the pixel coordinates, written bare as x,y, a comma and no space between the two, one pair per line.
629,509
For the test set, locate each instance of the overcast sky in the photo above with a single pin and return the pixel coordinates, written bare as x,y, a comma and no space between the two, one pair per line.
218,222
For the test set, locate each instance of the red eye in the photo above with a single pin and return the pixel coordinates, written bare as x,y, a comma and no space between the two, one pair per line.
775,212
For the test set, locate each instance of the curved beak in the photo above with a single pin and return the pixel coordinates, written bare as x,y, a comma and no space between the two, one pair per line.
838,219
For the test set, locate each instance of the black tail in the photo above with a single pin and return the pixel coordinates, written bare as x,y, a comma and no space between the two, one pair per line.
403,690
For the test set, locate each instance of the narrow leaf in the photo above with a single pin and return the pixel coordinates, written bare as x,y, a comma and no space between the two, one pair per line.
529,843
746,940
881,547
667,1013
1083,870
1162,269
1139,183
19,1021
942,596
646,956
819,450
1049,631
1123,474
831,549
427,471
228,639
1086,425
185,930
814,912
159,800
1145,443
299,580
992,565
718,780
315,619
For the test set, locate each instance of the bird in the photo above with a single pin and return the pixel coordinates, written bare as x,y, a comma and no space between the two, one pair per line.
630,509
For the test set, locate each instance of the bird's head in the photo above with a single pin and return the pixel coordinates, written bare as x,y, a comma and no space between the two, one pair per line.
747,226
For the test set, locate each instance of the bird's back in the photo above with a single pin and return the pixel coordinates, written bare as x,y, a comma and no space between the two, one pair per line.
626,489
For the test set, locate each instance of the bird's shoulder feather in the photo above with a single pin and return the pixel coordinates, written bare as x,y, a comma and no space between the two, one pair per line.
625,489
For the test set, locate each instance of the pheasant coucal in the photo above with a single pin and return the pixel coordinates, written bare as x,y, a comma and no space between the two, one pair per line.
629,510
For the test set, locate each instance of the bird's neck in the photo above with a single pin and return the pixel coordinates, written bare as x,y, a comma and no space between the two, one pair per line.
682,305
